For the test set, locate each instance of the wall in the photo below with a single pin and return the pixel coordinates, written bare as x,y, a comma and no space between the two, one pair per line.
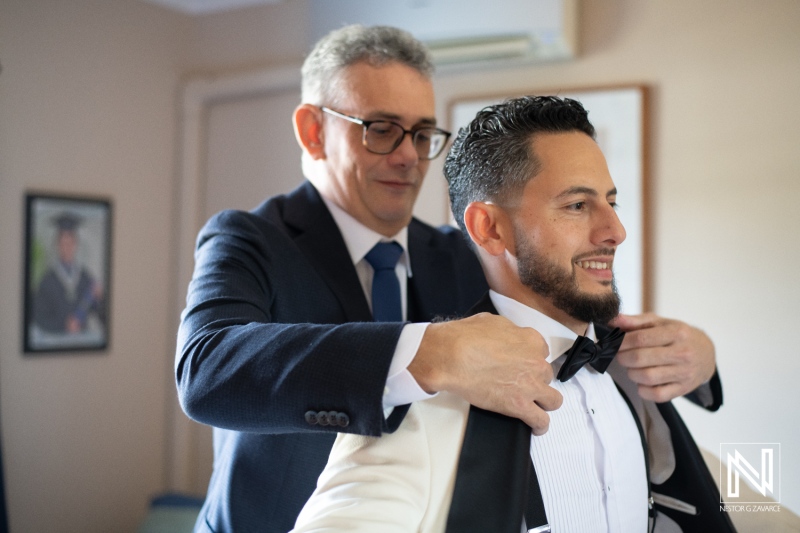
87,106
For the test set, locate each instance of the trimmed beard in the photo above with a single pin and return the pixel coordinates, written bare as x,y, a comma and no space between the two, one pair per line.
560,286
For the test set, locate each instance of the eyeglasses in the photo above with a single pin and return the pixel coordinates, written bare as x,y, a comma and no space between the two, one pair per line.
383,136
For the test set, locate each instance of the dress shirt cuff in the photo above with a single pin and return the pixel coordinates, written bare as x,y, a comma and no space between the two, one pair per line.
401,387
704,394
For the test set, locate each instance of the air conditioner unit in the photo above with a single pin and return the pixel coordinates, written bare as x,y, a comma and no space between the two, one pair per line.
465,32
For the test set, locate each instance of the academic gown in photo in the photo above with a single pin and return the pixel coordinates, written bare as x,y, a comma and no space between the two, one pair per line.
54,304
276,331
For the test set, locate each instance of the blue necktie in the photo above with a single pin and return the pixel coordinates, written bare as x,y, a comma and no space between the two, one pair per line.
386,305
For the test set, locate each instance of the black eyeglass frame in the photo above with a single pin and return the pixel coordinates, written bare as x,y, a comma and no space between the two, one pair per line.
367,123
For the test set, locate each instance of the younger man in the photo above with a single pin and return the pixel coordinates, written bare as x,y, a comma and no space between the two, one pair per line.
531,189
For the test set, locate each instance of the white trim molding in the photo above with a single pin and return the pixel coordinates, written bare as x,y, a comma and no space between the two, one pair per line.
197,95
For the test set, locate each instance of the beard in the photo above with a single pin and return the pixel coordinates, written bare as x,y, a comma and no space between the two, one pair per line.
546,278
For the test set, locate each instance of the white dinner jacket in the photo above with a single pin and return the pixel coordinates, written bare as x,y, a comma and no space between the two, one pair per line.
403,481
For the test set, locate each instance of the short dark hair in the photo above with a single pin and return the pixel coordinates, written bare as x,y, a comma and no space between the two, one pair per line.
375,45
491,158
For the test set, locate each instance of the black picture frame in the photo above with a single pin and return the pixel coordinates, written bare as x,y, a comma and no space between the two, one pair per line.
67,273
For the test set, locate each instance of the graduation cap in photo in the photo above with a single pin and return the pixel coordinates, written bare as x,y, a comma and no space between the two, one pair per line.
67,221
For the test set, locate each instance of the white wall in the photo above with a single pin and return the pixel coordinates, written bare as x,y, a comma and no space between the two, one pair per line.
88,97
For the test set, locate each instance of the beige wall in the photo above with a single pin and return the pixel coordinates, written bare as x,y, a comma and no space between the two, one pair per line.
88,98
87,106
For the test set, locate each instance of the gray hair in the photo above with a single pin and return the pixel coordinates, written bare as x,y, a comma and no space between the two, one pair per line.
376,45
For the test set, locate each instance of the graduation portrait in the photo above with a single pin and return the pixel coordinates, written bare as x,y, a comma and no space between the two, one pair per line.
67,267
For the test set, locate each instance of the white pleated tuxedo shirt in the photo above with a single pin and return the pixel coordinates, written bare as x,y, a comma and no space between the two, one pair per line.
590,463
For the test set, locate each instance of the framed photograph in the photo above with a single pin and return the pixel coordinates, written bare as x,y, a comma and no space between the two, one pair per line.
619,115
67,271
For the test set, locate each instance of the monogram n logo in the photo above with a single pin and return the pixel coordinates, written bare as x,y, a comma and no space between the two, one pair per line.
757,463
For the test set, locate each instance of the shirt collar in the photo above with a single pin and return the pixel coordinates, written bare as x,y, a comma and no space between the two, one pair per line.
559,338
359,239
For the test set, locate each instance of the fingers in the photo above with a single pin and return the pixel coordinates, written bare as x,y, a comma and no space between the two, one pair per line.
531,412
665,358
492,364
537,420
655,376
649,357
548,399
633,322
661,393
663,333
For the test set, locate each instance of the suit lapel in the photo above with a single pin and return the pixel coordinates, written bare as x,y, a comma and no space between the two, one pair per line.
494,471
319,239
428,290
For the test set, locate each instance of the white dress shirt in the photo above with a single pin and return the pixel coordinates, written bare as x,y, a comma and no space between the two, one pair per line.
401,387
590,463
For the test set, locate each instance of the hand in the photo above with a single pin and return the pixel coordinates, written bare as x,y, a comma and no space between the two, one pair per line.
492,364
666,358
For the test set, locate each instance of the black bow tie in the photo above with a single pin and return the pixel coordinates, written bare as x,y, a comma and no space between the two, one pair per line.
585,350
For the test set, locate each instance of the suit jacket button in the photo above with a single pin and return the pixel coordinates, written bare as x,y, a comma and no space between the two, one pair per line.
322,418
342,420
312,418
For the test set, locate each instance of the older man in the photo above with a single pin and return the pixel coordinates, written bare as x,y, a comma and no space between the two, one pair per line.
277,347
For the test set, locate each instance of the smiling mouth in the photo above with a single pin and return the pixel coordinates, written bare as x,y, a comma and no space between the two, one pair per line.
594,265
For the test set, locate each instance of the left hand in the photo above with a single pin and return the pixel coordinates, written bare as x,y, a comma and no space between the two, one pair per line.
665,358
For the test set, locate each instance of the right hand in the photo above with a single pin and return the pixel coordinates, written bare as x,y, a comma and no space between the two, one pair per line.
492,364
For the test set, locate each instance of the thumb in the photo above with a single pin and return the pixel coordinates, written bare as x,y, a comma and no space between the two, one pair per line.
632,322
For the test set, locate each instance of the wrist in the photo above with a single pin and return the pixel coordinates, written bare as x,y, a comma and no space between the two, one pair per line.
427,365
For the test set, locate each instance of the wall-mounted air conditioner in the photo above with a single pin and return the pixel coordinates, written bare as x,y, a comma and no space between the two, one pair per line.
459,32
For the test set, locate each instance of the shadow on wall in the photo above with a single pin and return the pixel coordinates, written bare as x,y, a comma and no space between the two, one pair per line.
3,515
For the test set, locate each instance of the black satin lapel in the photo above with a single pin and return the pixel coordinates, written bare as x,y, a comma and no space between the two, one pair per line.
492,481
320,240
429,289
484,305
491,488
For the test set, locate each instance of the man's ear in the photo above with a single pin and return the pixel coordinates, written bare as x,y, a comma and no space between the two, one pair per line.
308,130
487,226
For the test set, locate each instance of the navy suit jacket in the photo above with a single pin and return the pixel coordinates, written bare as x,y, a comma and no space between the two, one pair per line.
276,325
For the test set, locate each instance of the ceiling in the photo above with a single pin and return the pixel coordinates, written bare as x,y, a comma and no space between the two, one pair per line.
204,7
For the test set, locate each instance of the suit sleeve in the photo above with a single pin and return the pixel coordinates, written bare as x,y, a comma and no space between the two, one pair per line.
245,362
708,395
